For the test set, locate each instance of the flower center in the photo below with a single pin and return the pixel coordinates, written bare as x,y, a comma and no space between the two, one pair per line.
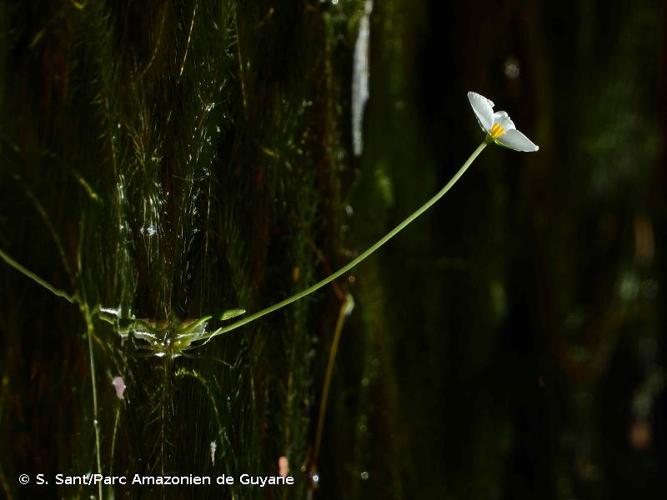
496,131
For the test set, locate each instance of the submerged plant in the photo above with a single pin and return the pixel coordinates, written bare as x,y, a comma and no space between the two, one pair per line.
172,337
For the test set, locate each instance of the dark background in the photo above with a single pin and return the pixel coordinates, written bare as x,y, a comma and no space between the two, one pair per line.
177,159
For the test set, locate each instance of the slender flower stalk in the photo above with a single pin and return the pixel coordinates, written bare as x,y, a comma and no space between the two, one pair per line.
360,258
499,130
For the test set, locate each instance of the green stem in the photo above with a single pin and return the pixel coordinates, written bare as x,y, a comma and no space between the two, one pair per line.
360,258
55,291
85,310
96,423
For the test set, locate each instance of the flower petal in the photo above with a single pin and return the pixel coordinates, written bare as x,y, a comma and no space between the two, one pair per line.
515,140
483,109
503,119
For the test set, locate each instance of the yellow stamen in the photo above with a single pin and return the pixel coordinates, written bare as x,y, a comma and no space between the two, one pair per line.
496,131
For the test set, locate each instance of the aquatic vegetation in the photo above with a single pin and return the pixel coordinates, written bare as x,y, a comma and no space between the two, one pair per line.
173,337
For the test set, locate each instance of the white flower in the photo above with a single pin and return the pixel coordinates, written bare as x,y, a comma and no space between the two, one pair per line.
498,126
